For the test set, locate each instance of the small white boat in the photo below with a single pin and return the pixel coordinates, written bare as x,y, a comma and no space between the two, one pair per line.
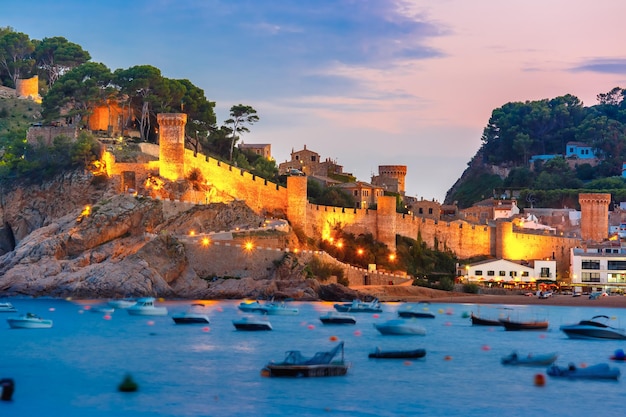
253,306
122,303
599,371
594,328
190,317
145,307
530,360
7,308
281,309
29,321
103,309
334,317
252,323
400,327
358,306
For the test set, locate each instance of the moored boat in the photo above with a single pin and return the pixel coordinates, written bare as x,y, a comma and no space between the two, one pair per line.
279,309
511,325
122,303
529,360
481,321
400,327
599,371
419,311
322,364
145,307
397,354
358,306
253,306
29,321
595,328
7,308
334,317
190,317
252,324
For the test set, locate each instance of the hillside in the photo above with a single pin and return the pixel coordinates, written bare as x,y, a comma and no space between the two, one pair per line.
16,114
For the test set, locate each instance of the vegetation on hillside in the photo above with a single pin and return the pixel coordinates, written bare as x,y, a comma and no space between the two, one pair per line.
517,131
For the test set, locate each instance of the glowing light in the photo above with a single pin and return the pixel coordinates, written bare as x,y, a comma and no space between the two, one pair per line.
192,233
392,257
359,251
248,246
206,241
340,244
295,250
86,211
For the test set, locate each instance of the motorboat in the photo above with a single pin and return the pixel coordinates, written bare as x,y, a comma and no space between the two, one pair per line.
595,328
397,354
278,309
599,371
190,317
145,307
334,317
530,359
481,321
103,309
400,327
358,306
511,325
7,308
250,307
122,303
29,321
321,364
415,311
252,323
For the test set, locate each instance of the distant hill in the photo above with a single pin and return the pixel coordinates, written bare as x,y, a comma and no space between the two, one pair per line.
517,131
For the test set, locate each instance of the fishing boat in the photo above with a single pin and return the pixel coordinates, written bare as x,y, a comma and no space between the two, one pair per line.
397,354
481,321
145,307
530,359
358,306
29,321
595,328
322,364
334,317
511,325
599,371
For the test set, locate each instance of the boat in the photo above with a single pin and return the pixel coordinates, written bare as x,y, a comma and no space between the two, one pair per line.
29,321
529,360
524,325
618,355
278,309
322,364
411,311
252,323
595,328
480,321
104,309
358,306
122,303
397,354
599,371
190,317
250,307
7,308
400,327
145,307
334,317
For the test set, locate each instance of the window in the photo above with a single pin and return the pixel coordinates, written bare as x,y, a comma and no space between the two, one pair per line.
420,210
590,277
297,157
524,273
491,273
545,273
617,265
312,158
430,211
590,264
479,272
616,278
502,273
356,193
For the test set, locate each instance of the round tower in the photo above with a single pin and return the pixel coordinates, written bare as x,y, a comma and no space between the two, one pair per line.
297,201
594,216
172,145
397,172
28,88
386,221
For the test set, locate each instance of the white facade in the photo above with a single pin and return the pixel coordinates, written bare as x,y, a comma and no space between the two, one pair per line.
508,272
602,268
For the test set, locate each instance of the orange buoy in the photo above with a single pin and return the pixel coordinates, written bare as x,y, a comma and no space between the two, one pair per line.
447,358
540,380
333,338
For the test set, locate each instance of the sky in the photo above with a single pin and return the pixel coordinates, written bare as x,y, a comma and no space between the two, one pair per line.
362,82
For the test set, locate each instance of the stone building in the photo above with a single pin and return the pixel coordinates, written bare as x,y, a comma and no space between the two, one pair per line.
262,149
310,163
365,195
391,177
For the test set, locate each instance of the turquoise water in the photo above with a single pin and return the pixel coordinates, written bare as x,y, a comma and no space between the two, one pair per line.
74,368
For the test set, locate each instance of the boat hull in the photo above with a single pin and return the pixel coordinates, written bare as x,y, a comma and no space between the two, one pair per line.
252,326
29,324
600,371
530,360
305,371
574,332
398,354
156,311
337,320
400,328
191,320
524,325
478,321
416,315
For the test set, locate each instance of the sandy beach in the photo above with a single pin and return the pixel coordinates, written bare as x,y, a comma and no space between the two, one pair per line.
417,294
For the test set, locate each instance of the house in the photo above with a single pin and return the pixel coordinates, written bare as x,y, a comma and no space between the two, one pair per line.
599,268
365,195
579,150
510,274
262,149
490,209
310,163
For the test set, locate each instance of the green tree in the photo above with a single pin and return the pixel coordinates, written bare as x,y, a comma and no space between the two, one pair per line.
240,116
16,51
56,56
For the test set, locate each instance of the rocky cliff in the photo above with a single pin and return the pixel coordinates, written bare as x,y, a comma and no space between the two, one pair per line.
75,236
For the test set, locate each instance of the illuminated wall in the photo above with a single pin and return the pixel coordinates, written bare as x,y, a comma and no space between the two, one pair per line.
28,88
172,145
594,216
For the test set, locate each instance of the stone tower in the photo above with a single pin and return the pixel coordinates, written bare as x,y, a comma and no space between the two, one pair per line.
28,88
172,145
386,221
297,201
594,216
397,174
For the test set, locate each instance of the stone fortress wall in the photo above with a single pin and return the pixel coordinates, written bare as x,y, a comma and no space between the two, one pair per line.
28,88
462,238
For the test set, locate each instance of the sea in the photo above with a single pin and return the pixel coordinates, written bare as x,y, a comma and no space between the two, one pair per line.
75,368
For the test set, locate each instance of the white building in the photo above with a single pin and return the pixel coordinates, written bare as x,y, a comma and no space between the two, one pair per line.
599,268
505,273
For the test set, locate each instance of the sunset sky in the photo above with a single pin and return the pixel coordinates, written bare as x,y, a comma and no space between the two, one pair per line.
363,82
